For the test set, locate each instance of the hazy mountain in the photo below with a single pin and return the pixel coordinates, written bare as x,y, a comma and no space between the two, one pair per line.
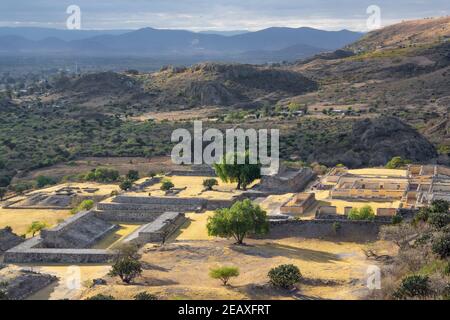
225,33
148,42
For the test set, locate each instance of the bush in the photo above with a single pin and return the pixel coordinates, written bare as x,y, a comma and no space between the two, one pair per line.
210,183
83,206
2,193
439,219
133,175
440,206
337,226
36,227
397,219
365,213
145,296
100,296
441,246
415,286
43,181
397,163
285,276
126,185
224,273
114,193
167,185
103,175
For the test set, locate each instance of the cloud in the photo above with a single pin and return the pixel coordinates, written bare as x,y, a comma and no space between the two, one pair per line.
215,14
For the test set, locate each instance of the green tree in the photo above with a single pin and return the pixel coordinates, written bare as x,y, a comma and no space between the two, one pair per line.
441,245
285,276
224,274
43,181
36,227
133,175
244,174
365,213
126,269
397,163
85,205
242,219
210,183
126,185
167,185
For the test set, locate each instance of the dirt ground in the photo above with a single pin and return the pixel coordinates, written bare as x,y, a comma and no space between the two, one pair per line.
180,270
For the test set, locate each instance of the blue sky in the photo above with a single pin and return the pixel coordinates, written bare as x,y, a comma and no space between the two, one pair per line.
200,15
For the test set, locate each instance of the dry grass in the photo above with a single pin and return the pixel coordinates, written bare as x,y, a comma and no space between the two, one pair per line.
20,219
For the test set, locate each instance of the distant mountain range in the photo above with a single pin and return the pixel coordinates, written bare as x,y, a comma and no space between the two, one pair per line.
268,45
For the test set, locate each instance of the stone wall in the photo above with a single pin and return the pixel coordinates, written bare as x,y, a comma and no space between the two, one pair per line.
32,251
287,181
358,231
8,240
159,230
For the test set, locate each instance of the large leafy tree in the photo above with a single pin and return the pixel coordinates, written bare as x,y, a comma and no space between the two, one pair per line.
242,219
229,170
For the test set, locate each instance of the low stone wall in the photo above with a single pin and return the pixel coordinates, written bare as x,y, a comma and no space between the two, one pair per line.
31,251
358,231
159,230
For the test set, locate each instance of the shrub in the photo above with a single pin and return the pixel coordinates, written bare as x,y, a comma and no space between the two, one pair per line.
2,193
441,246
83,206
439,219
103,175
145,296
114,193
210,183
397,219
133,175
397,162
337,226
101,297
36,227
43,181
440,206
285,276
126,185
167,185
126,269
224,274
365,213
415,286
447,269
242,218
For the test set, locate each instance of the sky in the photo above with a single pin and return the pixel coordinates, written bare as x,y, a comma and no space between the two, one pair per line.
226,15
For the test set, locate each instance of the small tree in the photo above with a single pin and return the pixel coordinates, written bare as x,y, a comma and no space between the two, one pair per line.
238,221
43,181
397,163
36,227
365,213
85,205
126,269
210,183
415,286
285,276
439,219
2,193
133,175
167,185
126,185
145,296
224,274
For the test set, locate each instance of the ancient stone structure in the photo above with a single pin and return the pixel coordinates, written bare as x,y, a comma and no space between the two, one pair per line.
8,240
299,204
158,230
286,181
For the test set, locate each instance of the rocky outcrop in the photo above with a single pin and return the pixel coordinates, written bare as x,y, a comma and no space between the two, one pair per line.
373,142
